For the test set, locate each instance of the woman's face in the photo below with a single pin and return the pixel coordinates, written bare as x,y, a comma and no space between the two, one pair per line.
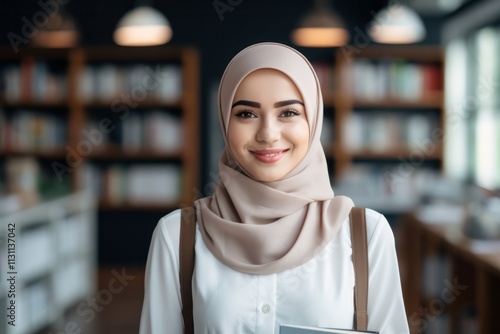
268,133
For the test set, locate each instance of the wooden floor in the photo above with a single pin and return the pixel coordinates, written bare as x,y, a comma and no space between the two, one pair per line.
123,314
114,309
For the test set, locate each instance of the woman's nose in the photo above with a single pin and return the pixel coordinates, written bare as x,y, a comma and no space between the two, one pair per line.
268,134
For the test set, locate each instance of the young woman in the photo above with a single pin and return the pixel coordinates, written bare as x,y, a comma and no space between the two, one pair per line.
272,244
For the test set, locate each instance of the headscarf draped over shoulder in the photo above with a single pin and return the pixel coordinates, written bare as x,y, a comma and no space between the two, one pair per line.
267,227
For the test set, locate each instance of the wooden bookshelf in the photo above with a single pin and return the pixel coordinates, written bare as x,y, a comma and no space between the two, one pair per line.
422,99
185,106
73,109
128,206
120,154
393,153
430,100
148,103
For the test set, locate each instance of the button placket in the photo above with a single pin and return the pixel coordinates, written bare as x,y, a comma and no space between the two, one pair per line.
266,306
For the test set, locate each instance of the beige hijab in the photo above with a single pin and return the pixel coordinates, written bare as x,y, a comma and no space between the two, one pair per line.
267,227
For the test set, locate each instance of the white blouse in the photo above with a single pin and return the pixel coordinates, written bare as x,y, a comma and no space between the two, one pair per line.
316,293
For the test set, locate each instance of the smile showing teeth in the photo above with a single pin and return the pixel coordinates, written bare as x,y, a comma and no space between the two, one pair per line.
269,156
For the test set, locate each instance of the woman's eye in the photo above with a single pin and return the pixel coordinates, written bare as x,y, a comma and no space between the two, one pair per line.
289,113
245,114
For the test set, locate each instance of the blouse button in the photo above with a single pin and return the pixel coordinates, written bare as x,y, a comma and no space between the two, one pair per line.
266,308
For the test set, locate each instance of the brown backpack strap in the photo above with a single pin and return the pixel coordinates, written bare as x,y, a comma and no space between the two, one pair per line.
186,265
360,262
359,256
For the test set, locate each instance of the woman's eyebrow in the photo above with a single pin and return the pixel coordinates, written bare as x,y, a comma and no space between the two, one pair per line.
246,103
286,103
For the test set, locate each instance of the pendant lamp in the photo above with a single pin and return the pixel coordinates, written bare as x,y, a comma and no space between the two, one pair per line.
143,26
321,27
60,31
397,24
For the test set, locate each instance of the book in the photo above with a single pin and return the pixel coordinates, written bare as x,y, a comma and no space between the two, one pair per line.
294,329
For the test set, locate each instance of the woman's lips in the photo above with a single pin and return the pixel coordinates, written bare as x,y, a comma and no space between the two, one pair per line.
269,156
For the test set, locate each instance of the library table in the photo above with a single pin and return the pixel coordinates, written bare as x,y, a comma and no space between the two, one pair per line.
473,280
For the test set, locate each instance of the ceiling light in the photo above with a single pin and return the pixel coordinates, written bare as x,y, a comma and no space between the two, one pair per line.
321,27
59,32
397,24
143,26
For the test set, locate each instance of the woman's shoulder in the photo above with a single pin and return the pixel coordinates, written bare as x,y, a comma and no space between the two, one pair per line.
168,228
376,225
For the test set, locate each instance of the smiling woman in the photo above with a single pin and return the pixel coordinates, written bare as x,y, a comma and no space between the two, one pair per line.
268,133
272,245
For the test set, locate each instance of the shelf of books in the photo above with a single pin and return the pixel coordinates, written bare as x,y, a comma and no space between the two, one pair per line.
389,121
127,117
139,107
50,262
35,111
